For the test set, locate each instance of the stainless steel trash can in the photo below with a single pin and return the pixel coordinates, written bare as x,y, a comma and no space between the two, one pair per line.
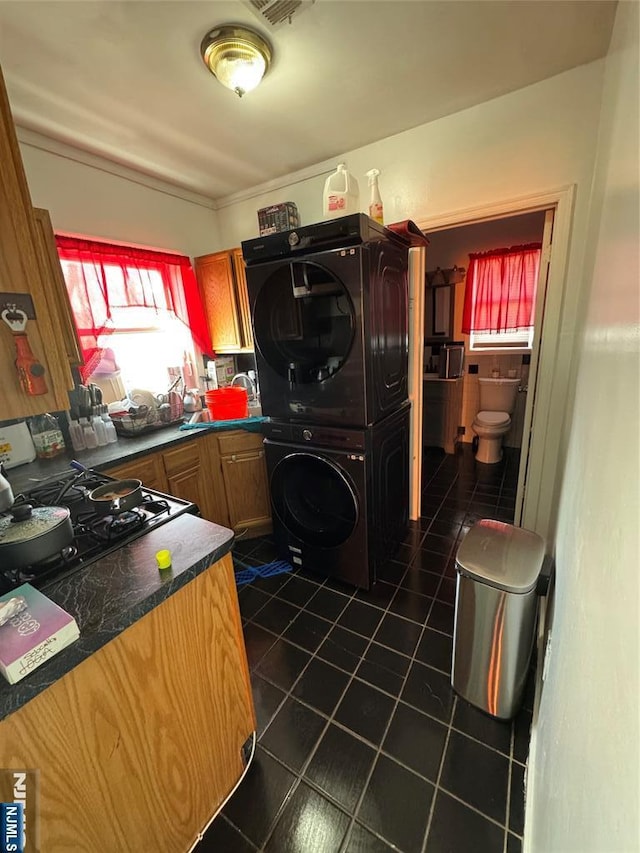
497,567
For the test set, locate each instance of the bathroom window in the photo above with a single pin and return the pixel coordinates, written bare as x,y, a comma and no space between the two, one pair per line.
500,295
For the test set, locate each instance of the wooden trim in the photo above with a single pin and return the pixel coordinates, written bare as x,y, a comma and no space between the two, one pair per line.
139,744
417,264
243,298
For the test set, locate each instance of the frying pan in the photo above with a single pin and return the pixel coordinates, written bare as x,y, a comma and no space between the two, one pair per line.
119,496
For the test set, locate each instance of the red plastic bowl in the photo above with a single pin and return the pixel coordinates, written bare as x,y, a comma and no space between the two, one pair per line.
227,404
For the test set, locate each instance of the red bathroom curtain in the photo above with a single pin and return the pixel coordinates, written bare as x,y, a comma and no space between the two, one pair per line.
500,290
103,277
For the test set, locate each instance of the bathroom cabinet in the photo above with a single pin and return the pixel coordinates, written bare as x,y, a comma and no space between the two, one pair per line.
442,413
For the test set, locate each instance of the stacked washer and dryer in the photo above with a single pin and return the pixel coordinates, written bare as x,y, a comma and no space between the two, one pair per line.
329,306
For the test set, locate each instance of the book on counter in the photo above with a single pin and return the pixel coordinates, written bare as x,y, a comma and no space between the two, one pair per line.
37,630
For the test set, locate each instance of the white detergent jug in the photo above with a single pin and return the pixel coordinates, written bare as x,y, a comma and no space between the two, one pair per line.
341,195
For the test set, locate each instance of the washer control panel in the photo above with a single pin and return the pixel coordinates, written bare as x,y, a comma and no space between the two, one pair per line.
339,438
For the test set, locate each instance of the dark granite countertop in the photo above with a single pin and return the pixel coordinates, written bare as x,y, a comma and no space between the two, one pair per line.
26,477
111,594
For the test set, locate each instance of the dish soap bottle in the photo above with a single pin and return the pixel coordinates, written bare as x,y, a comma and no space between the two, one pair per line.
375,203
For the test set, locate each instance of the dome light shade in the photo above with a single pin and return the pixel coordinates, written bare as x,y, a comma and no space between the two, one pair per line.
237,56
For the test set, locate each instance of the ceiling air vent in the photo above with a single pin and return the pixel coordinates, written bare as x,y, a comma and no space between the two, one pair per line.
279,11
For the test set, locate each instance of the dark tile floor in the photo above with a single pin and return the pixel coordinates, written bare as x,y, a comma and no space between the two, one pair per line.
363,747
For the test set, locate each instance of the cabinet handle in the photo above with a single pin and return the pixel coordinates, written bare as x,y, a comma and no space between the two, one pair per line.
233,457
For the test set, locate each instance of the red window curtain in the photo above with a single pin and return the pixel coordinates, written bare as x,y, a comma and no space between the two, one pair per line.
102,278
500,290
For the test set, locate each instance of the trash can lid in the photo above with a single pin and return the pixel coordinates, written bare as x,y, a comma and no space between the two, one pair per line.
501,555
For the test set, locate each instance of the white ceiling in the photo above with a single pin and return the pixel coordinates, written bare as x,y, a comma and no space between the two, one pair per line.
125,79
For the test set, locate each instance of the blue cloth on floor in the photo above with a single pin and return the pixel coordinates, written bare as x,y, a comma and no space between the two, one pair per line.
251,424
250,573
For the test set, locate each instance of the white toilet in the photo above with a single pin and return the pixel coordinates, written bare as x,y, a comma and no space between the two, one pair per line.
497,401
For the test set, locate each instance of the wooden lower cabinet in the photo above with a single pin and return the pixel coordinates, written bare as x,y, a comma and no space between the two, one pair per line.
193,475
223,473
245,481
139,744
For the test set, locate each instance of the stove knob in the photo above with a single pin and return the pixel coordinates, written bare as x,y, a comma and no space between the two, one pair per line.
307,434
293,239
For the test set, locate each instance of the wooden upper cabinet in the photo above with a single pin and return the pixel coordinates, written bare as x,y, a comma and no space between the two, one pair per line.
57,294
224,294
22,270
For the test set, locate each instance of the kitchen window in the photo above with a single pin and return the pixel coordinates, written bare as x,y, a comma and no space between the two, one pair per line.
137,311
500,294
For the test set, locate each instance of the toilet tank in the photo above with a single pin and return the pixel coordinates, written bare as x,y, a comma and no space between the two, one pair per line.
498,395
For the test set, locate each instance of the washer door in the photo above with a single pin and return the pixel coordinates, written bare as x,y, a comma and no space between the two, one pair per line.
314,500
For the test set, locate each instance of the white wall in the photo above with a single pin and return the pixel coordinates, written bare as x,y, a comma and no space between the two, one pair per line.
96,198
584,791
534,139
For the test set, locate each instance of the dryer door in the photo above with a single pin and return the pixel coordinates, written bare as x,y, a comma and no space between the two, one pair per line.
307,330
304,322
314,499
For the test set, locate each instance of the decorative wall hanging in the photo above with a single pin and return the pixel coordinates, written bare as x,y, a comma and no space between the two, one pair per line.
17,309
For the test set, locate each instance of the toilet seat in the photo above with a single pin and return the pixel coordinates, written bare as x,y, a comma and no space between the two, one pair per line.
492,419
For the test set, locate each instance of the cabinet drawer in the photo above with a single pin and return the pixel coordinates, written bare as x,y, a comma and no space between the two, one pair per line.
148,469
182,458
239,441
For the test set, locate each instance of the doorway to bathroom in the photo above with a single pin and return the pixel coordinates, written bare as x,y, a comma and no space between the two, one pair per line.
452,237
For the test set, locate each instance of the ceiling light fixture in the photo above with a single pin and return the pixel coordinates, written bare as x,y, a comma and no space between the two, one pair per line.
237,56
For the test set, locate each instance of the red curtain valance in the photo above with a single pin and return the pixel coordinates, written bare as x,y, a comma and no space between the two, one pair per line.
102,277
500,289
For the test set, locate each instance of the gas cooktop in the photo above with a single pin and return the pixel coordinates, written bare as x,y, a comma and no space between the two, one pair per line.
94,535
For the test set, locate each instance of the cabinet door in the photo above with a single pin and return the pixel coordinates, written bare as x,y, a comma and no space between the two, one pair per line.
247,491
186,477
217,286
56,294
21,272
243,298
193,474
148,469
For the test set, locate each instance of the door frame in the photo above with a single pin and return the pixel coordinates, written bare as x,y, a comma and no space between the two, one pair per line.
548,377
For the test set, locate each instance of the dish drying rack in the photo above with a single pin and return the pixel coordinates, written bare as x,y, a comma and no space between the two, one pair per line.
134,425
150,418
